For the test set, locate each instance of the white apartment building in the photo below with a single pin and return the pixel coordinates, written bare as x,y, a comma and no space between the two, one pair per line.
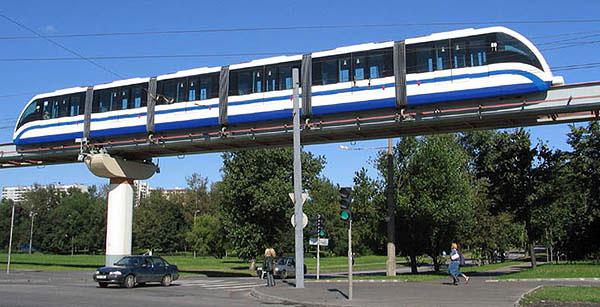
15,193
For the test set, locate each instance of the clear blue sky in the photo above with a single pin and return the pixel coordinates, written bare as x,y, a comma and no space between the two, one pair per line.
69,17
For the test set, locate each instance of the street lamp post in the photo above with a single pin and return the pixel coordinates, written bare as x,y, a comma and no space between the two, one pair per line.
195,212
12,223
32,215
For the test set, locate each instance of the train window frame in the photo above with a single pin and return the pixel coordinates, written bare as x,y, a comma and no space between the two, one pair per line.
518,52
143,97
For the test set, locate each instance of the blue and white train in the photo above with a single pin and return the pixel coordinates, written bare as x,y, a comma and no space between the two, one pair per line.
439,68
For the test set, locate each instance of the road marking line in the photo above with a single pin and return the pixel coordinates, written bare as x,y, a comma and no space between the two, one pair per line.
232,286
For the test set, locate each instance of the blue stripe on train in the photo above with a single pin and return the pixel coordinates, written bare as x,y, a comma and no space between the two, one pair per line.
537,85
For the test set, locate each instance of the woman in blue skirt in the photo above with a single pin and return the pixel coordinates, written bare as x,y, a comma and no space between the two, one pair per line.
455,262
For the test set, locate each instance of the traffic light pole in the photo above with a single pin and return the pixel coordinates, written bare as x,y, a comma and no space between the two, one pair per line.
391,214
350,260
299,235
318,257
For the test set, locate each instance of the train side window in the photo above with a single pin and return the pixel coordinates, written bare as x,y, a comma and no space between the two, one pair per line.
76,104
257,80
359,68
33,112
240,83
138,96
209,86
442,55
344,69
193,84
325,71
115,101
478,50
123,98
284,75
270,78
167,91
380,63
459,53
181,90
101,102
46,112
63,106
54,107
422,56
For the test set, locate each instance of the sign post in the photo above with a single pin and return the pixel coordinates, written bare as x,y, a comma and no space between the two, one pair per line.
298,234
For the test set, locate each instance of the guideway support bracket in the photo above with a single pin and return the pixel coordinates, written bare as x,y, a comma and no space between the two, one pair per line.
119,217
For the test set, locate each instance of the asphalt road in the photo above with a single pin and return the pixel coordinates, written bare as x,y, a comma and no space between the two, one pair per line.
70,288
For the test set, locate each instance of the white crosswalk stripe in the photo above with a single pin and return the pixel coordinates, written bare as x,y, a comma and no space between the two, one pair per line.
229,285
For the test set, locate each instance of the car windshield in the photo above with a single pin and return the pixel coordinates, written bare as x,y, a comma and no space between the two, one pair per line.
282,261
128,261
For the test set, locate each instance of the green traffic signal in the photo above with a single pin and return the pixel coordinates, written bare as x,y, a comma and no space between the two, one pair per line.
322,234
346,203
345,215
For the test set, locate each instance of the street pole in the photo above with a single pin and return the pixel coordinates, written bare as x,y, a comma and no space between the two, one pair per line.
350,260
391,214
298,234
318,256
195,212
12,223
31,232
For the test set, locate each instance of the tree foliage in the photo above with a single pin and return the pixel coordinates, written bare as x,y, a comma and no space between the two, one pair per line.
254,197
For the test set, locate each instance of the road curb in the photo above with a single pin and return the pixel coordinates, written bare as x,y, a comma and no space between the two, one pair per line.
518,301
270,298
355,281
593,279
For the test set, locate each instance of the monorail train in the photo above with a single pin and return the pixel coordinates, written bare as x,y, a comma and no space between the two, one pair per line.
439,68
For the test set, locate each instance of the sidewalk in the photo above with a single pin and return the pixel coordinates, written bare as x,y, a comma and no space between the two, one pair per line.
477,292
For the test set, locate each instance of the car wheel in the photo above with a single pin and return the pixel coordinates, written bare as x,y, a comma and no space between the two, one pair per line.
284,275
129,281
103,284
166,280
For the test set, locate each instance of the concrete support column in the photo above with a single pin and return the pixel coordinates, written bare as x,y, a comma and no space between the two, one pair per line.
119,219
119,215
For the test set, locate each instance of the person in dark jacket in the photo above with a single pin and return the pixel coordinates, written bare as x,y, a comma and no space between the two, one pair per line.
269,266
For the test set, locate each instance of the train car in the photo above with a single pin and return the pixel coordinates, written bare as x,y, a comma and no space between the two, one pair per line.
440,68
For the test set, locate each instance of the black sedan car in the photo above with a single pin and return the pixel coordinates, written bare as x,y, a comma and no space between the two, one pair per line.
137,270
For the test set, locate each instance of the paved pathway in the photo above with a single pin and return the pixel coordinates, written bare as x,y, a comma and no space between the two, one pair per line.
477,292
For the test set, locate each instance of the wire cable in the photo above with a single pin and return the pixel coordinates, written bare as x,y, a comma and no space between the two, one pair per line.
305,27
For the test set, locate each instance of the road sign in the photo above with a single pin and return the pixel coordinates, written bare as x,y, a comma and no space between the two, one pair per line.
304,220
322,241
304,197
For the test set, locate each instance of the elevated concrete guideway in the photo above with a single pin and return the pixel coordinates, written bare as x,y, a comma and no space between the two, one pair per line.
561,104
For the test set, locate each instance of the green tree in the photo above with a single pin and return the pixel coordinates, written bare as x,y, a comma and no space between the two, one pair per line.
581,193
254,197
207,236
368,215
435,195
159,224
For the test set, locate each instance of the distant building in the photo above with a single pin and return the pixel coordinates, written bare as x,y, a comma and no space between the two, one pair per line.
170,192
141,190
16,193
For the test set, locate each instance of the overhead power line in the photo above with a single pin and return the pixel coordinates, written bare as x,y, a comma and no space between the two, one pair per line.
304,27
60,46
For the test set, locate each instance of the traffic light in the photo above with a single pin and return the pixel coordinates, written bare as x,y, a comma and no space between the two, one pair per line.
321,227
346,204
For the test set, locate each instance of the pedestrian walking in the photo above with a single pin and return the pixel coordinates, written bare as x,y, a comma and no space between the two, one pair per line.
269,266
455,261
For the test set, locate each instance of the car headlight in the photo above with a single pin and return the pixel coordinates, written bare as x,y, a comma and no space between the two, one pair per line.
97,273
276,269
116,273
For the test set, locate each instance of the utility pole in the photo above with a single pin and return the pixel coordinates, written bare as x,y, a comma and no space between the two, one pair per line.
350,260
298,234
391,213
12,223
195,212
32,214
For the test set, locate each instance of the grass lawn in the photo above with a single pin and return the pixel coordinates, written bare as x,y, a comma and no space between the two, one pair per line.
428,276
575,270
589,294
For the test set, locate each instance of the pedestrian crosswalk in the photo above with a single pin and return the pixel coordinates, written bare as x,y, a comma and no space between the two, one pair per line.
222,284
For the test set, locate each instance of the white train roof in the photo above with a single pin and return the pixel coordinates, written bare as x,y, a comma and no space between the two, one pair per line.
318,54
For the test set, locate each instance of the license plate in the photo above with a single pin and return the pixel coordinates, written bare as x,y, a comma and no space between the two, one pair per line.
101,277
